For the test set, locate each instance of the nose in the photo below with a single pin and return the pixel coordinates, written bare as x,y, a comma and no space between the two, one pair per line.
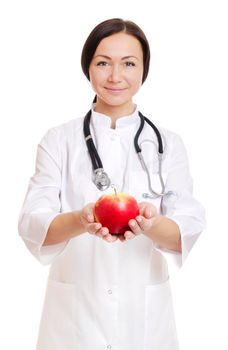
115,74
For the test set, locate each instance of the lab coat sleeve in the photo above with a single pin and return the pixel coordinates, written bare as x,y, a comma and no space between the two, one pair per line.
181,206
42,201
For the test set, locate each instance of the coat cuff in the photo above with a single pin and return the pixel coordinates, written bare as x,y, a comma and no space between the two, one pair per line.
33,229
190,230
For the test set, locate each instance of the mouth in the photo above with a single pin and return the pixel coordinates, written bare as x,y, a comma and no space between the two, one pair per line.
115,90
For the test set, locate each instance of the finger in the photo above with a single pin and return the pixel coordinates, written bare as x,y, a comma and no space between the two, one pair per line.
103,231
90,218
89,212
142,210
142,206
143,223
111,238
129,235
148,210
121,237
94,227
148,213
134,226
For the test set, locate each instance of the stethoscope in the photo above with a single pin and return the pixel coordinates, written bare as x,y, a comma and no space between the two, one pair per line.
101,179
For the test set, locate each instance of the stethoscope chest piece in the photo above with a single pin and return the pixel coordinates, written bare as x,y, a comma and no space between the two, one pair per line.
101,179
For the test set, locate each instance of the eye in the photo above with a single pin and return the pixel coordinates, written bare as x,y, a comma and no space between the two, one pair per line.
129,64
102,63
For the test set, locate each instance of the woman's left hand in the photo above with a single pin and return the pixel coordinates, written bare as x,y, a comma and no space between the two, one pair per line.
143,222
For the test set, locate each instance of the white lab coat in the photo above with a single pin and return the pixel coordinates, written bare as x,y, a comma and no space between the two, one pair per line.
107,295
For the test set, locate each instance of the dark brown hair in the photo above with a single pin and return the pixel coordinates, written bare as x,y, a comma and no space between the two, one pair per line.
107,28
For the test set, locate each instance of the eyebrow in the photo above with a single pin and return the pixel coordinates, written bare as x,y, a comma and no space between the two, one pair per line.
123,58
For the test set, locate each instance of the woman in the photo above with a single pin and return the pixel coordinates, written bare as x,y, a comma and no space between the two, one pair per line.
106,291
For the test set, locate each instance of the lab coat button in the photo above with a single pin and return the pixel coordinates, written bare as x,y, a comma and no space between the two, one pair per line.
109,291
109,346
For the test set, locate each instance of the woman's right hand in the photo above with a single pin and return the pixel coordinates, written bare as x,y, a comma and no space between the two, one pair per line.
88,221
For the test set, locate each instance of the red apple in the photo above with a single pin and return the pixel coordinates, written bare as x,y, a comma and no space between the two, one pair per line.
115,210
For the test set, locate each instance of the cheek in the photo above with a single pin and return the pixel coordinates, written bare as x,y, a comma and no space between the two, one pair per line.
92,78
135,80
92,75
97,73
136,83
96,78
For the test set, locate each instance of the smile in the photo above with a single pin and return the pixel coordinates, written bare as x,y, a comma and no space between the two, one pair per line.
115,90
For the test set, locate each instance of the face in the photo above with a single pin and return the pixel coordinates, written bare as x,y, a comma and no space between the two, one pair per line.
116,71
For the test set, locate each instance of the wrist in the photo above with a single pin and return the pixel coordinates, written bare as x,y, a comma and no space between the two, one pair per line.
78,219
156,222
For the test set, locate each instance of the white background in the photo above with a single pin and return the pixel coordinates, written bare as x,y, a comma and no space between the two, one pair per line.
41,85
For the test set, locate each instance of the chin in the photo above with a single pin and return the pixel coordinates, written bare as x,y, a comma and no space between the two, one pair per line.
115,101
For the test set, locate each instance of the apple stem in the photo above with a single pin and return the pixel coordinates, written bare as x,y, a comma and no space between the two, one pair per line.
114,187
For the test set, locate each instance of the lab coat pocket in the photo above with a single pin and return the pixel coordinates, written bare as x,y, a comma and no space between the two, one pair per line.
56,328
160,330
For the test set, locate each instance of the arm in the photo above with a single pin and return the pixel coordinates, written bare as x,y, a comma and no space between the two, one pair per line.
64,227
162,230
183,218
43,228
68,225
165,233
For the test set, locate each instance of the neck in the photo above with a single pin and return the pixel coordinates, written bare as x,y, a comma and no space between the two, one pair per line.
114,112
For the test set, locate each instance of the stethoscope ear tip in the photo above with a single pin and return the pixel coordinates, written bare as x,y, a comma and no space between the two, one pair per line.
156,195
147,195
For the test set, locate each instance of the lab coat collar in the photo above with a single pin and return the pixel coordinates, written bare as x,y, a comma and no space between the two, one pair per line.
103,120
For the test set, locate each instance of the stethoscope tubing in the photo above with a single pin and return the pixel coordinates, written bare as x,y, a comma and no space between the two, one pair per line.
101,179
95,158
159,138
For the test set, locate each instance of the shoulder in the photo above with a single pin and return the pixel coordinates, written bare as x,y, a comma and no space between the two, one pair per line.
69,127
64,131
170,137
166,134
172,142
174,147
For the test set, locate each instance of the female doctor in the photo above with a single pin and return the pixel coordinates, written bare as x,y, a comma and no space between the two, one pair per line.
104,291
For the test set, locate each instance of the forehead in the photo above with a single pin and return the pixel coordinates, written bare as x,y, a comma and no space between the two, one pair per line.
119,44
